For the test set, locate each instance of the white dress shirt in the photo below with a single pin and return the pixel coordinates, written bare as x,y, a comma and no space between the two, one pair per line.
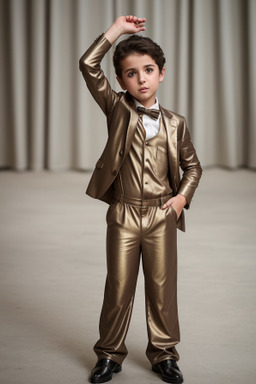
151,125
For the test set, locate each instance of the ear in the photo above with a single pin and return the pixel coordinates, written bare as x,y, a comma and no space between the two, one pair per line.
161,75
121,83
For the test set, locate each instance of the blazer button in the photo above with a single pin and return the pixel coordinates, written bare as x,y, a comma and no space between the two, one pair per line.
121,152
114,172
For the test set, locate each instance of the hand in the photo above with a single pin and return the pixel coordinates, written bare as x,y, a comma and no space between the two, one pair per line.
125,24
177,202
131,24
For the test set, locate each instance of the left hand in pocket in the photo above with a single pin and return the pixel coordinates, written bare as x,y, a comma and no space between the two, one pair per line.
177,202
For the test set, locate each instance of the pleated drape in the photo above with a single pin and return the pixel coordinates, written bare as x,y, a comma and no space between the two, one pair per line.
48,119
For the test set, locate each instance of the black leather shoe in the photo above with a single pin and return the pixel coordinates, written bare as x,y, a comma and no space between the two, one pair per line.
169,370
104,370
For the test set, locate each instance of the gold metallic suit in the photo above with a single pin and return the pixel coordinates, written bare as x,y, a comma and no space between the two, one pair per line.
136,177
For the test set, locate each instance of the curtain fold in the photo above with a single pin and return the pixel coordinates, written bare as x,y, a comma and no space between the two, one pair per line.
38,87
251,76
19,83
48,119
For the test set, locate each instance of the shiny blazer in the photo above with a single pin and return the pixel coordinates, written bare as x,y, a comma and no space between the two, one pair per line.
122,119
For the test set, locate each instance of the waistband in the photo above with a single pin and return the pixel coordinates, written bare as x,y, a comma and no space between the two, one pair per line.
157,202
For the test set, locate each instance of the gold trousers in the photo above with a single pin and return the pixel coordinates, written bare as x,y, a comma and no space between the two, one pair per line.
135,230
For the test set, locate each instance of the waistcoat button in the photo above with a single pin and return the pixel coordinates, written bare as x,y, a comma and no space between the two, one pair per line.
121,152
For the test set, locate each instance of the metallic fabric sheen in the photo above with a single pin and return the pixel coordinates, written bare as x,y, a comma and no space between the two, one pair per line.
144,172
122,119
136,228
150,232
131,169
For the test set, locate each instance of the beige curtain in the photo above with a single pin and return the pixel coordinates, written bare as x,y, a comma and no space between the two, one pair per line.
48,118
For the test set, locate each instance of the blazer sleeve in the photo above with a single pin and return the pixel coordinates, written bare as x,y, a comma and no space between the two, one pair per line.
190,165
97,83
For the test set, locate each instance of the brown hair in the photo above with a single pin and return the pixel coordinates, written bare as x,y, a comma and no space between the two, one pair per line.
138,44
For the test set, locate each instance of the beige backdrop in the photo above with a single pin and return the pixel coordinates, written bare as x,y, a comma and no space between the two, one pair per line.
48,118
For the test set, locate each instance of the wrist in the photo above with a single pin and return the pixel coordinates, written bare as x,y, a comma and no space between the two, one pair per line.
114,32
182,199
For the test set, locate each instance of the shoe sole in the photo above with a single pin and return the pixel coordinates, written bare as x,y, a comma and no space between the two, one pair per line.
117,370
180,381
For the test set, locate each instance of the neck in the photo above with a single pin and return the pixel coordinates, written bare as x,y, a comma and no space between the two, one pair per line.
147,104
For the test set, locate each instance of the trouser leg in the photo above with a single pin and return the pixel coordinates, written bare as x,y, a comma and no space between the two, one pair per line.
159,254
123,258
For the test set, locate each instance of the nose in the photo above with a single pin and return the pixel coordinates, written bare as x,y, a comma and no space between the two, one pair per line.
141,78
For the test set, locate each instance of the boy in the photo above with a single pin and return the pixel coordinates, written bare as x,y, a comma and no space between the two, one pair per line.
138,175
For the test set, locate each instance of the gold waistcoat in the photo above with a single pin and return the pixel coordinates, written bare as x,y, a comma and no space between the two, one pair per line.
144,172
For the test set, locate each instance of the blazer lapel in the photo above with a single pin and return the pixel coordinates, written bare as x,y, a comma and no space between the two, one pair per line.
132,123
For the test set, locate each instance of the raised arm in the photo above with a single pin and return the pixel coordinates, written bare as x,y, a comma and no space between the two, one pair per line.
89,64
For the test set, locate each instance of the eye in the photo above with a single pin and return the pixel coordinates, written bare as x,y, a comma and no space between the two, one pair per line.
131,74
149,70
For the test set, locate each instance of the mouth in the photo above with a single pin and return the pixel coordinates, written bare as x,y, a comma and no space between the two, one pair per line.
144,89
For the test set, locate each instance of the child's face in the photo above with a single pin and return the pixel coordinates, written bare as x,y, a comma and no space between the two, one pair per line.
141,77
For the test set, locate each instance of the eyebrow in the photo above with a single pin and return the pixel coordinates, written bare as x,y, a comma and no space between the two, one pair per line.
134,69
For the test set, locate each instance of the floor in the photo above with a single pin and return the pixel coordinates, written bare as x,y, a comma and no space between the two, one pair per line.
52,272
